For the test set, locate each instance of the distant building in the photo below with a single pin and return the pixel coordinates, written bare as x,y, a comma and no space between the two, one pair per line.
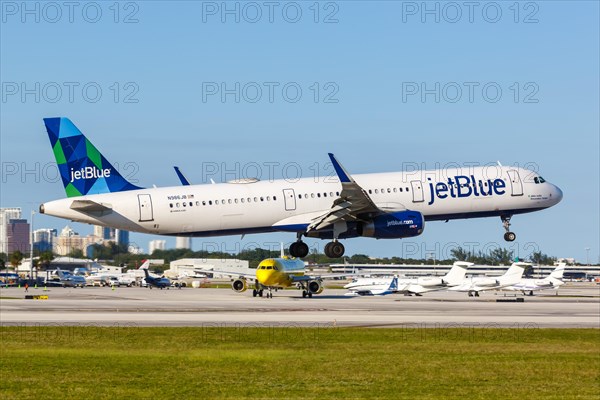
17,236
104,232
6,214
122,237
69,240
43,239
156,245
182,242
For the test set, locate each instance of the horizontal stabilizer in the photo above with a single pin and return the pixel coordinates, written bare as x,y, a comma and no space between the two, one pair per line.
89,206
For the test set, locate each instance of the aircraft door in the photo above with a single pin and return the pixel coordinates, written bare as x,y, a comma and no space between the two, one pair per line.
290,199
145,203
417,189
515,182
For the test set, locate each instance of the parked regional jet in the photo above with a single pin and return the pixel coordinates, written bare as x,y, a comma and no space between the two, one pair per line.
158,282
384,205
277,273
552,281
389,285
474,285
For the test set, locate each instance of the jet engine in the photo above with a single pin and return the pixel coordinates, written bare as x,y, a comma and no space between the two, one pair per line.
395,225
315,287
239,285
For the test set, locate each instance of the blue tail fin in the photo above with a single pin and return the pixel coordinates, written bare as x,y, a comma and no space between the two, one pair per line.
82,168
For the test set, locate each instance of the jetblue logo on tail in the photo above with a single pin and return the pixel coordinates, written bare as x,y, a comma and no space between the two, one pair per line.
89,173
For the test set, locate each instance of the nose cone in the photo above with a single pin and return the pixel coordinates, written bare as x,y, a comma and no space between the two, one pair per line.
556,194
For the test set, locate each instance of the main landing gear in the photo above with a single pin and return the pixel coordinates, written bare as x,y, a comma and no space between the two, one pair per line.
508,236
299,249
334,249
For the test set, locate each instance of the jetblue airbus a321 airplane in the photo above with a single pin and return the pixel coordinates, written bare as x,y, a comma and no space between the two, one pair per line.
382,206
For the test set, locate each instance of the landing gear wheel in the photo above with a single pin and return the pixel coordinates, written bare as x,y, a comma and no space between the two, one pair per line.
260,293
510,236
334,250
254,292
303,293
299,249
309,295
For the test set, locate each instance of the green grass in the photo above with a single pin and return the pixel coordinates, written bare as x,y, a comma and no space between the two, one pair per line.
325,362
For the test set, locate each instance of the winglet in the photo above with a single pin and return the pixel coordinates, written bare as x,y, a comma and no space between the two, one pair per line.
339,170
184,181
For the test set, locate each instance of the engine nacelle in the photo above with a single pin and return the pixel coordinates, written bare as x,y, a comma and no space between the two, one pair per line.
427,282
315,287
239,285
395,225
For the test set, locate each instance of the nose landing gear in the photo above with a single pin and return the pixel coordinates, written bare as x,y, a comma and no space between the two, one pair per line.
508,236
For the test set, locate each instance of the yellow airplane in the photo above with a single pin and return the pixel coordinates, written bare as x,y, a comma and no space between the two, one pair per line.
277,273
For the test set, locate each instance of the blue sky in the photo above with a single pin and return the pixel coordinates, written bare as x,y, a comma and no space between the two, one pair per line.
355,67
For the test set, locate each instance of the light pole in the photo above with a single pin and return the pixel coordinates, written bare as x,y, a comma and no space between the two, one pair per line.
31,246
587,257
431,256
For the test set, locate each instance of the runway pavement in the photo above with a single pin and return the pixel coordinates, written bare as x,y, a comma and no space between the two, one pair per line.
575,306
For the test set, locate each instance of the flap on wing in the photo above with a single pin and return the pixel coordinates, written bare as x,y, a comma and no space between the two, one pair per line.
297,222
353,201
89,206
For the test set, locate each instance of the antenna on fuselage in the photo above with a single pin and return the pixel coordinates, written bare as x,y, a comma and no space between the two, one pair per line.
499,164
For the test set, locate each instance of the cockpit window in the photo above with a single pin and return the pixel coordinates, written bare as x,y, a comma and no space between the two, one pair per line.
542,180
536,180
269,267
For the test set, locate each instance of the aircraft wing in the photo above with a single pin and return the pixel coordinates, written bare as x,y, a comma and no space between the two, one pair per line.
352,203
306,278
227,273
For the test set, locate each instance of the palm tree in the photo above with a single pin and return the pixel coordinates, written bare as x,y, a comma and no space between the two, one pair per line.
15,259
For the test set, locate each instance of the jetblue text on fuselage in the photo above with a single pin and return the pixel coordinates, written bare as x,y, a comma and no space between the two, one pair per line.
89,173
465,186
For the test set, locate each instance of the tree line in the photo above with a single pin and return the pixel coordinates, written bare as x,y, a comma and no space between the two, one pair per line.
115,254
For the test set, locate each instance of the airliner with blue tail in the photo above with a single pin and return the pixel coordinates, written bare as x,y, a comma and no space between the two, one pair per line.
391,205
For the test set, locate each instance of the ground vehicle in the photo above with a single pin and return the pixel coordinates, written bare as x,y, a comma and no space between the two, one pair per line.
126,280
109,281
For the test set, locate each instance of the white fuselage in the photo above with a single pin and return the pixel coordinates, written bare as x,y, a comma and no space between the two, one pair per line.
282,205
